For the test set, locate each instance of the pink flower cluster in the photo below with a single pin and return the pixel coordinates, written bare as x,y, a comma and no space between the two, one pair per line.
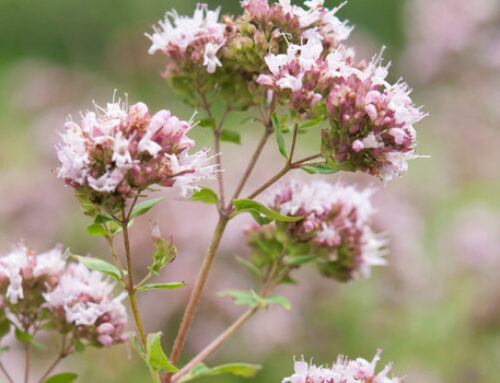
302,76
196,39
343,370
84,301
336,225
115,153
332,30
371,123
44,290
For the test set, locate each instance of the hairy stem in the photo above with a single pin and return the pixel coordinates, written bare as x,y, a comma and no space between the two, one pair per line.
194,299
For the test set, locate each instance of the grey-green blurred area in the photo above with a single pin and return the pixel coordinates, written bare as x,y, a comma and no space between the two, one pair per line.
434,309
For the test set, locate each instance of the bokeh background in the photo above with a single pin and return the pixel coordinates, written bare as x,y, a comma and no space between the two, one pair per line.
435,309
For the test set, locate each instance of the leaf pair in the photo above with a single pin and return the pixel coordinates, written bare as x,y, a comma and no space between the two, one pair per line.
252,299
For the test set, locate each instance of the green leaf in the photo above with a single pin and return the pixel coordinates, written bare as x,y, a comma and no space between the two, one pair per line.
165,252
206,195
4,349
168,286
279,136
100,265
96,229
251,298
207,123
23,336
65,377
138,347
311,123
299,260
240,369
230,136
250,266
156,358
248,205
279,300
320,168
241,297
78,344
144,207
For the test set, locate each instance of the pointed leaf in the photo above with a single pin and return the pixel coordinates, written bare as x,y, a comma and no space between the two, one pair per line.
320,168
250,267
96,229
248,205
241,297
207,123
279,136
65,377
156,357
298,260
156,286
230,136
279,300
205,195
100,265
144,207
240,369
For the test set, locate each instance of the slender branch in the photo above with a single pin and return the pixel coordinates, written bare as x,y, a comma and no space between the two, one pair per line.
215,343
294,142
130,288
144,280
6,374
274,179
62,354
137,317
289,166
218,159
252,163
27,357
210,348
194,299
127,251
116,259
309,158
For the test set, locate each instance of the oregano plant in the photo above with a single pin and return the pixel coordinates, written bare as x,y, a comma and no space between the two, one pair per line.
290,68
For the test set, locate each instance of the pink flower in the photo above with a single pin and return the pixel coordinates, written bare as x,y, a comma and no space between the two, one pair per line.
118,152
335,227
371,123
342,371
190,39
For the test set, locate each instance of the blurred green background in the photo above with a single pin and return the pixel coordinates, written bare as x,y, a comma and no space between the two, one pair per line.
434,310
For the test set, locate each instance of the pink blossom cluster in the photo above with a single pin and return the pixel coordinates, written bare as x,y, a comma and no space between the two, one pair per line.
371,123
196,39
315,15
335,226
83,302
303,75
343,370
116,152
44,290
